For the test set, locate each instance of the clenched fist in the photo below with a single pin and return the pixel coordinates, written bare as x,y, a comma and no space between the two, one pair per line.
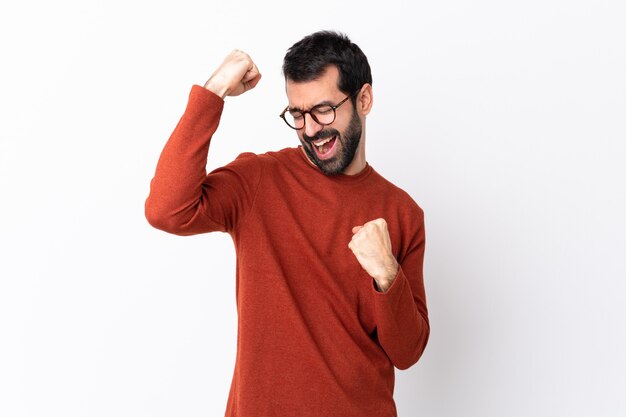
236,75
372,247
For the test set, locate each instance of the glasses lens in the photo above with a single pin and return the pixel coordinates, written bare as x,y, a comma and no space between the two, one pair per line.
294,119
325,115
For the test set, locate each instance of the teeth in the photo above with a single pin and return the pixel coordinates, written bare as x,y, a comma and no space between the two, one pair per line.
322,142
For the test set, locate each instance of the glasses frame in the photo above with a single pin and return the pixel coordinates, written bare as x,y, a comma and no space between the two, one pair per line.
310,112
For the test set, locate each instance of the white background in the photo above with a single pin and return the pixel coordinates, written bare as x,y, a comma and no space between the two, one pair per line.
504,120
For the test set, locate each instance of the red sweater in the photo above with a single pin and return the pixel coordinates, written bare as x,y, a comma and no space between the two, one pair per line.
315,336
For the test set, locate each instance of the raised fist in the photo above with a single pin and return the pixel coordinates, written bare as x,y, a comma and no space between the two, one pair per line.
371,245
236,75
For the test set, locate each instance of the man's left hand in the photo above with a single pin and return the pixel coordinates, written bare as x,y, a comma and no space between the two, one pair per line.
372,247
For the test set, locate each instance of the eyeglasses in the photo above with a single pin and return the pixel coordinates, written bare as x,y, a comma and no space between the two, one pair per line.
323,114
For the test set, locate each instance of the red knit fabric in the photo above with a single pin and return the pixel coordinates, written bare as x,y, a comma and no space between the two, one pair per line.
315,336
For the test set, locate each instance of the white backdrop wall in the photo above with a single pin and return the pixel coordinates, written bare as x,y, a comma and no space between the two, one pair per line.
504,121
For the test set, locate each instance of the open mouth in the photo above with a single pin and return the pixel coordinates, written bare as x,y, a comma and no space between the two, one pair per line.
325,148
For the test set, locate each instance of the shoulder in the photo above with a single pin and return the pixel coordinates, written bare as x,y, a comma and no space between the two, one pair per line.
245,160
266,159
280,155
280,159
263,164
398,195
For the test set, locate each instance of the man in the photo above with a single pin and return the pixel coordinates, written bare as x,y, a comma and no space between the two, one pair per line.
329,283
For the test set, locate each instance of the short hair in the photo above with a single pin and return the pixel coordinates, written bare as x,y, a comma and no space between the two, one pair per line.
308,59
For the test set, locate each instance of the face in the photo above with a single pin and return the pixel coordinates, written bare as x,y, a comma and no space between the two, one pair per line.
331,147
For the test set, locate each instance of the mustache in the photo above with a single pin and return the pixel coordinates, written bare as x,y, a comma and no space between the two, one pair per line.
322,134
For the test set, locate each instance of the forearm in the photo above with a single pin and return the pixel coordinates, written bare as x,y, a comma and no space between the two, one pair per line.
403,328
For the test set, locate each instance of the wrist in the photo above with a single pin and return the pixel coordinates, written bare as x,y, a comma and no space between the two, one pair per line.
391,269
385,279
381,287
216,88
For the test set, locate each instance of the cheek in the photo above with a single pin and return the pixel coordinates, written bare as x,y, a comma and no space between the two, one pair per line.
342,131
343,127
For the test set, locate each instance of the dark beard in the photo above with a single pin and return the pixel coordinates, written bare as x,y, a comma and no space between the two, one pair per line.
349,144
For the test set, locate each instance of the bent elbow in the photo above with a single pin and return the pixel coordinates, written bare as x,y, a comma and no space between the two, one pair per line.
154,219
409,361
417,351
157,218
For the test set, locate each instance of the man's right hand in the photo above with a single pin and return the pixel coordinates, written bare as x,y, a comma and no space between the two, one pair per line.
235,76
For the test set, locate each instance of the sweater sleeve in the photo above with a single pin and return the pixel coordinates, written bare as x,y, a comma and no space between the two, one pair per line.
401,314
183,199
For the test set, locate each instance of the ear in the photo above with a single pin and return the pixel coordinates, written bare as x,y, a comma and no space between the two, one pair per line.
365,99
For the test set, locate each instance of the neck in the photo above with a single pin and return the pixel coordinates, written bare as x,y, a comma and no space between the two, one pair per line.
358,162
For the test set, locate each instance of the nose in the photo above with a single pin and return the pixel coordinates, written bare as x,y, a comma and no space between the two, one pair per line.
311,127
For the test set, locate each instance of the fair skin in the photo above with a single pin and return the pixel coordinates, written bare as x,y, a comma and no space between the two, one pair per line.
370,243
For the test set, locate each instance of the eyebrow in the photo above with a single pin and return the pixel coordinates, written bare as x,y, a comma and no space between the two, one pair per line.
322,103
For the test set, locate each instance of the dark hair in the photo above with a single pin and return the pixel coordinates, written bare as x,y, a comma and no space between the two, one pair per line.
308,59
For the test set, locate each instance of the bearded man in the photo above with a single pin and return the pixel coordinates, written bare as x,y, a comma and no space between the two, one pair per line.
329,283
